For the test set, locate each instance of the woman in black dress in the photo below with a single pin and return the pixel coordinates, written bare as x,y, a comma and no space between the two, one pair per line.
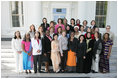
47,49
81,51
45,25
88,60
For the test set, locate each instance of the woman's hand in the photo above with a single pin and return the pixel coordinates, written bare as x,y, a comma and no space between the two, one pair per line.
29,54
19,52
61,54
84,57
38,51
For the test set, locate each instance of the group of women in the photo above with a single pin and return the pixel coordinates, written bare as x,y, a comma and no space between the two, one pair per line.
69,48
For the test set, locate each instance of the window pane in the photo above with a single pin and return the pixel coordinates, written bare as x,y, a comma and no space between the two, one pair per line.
15,21
17,13
101,11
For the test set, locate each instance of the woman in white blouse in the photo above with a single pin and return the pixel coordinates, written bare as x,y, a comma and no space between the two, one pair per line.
16,46
37,51
63,41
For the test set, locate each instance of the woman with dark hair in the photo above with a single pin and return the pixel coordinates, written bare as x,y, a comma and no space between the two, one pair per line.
27,53
59,31
89,30
16,46
97,47
81,51
52,24
46,41
88,60
72,50
32,31
72,21
106,52
78,24
93,25
85,25
60,21
55,55
68,31
37,51
45,25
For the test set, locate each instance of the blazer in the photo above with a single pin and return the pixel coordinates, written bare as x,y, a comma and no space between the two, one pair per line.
36,46
46,44
72,45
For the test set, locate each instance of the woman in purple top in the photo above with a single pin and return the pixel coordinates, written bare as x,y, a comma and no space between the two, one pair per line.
59,24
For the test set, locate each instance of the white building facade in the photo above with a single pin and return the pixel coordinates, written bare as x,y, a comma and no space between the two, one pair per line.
32,12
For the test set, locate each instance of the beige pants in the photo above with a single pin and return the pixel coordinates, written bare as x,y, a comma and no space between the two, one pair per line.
55,57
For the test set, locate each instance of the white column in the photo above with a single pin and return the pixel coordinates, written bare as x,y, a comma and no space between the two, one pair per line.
32,13
111,18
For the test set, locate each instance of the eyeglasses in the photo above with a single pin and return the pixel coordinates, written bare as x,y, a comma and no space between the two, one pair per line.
107,28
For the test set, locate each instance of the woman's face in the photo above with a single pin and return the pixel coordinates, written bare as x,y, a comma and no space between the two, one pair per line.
93,23
78,22
81,38
85,23
17,34
68,28
44,20
51,24
72,21
65,21
47,33
40,29
55,37
108,29
37,34
96,30
88,30
60,21
32,27
88,35
59,30
51,30
106,36
82,28
96,35
64,34
27,36
72,34
76,29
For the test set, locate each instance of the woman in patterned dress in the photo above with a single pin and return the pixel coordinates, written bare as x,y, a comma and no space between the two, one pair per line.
104,57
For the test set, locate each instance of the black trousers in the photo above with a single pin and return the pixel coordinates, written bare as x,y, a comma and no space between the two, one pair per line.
80,65
63,60
37,59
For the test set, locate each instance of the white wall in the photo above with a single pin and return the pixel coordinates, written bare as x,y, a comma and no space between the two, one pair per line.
112,18
86,11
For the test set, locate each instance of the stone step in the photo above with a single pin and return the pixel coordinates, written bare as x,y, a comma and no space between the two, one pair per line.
59,75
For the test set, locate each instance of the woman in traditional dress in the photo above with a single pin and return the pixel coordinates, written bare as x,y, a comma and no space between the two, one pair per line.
71,57
55,55
104,56
27,53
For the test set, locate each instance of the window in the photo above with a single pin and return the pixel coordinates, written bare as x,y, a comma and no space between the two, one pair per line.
17,14
59,13
101,11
